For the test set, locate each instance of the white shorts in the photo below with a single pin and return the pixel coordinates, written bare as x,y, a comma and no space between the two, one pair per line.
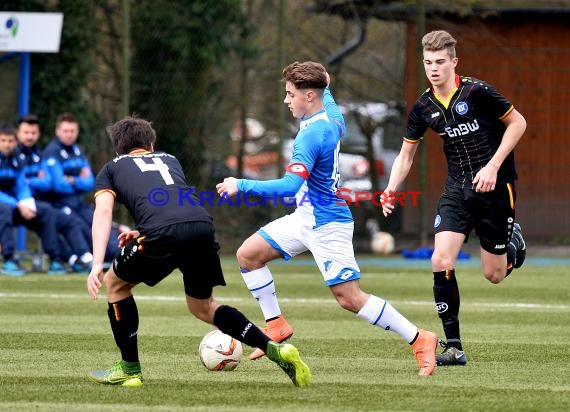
330,245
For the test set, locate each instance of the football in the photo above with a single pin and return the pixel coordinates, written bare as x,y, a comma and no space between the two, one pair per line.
382,243
220,352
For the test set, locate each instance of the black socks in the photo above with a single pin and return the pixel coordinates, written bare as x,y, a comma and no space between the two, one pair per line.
124,318
447,301
234,323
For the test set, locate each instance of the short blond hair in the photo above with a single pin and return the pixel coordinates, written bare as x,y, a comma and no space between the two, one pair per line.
439,40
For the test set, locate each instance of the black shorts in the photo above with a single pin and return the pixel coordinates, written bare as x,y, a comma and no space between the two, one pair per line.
189,246
491,214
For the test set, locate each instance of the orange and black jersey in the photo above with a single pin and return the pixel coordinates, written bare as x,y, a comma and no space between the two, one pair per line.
470,125
152,186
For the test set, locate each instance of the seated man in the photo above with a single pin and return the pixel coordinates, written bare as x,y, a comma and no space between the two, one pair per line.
18,207
77,250
72,178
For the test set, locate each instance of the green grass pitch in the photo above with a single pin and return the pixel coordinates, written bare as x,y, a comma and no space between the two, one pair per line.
516,335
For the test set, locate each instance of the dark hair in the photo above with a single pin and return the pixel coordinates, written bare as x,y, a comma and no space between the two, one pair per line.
306,75
29,119
131,133
65,117
8,130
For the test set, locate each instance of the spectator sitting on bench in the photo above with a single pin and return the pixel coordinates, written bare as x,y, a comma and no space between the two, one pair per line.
74,247
18,207
72,178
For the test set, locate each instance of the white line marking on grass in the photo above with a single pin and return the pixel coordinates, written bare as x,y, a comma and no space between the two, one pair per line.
309,301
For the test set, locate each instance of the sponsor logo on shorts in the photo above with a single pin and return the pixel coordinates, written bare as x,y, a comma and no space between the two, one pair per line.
347,274
437,221
500,246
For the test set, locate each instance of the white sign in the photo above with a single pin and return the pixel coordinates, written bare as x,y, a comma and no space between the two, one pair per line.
30,32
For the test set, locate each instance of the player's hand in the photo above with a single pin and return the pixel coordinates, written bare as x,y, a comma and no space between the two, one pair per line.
387,202
485,179
94,280
228,186
126,237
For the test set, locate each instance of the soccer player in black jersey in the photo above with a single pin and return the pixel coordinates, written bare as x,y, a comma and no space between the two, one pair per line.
480,129
172,232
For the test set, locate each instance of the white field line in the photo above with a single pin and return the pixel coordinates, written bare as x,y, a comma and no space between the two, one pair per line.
307,301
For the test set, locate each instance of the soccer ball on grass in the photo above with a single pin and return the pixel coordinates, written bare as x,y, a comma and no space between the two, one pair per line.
220,352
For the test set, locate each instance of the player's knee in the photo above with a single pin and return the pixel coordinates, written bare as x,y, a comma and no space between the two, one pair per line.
347,304
116,286
349,301
495,274
200,314
202,309
442,261
243,257
248,258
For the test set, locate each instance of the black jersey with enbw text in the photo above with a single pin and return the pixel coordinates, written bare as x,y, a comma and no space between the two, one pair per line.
153,187
470,126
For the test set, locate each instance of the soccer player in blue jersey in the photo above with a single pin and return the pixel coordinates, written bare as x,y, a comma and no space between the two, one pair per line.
322,222
480,129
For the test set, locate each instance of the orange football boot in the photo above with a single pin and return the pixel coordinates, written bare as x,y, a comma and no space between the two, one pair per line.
424,348
277,330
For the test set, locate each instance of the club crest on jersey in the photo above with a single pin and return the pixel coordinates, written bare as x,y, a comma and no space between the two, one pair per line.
299,169
461,107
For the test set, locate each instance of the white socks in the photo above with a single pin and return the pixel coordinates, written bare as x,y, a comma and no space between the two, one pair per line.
261,285
375,311
381,313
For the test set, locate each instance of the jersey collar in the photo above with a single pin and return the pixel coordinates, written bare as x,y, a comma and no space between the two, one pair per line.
445,101
137,152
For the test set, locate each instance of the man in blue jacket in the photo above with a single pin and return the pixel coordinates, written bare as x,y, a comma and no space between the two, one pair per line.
18,207
72,177
76,250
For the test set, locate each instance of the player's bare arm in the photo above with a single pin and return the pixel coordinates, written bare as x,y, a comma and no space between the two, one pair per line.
228,186
400,169
101,230
485,180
